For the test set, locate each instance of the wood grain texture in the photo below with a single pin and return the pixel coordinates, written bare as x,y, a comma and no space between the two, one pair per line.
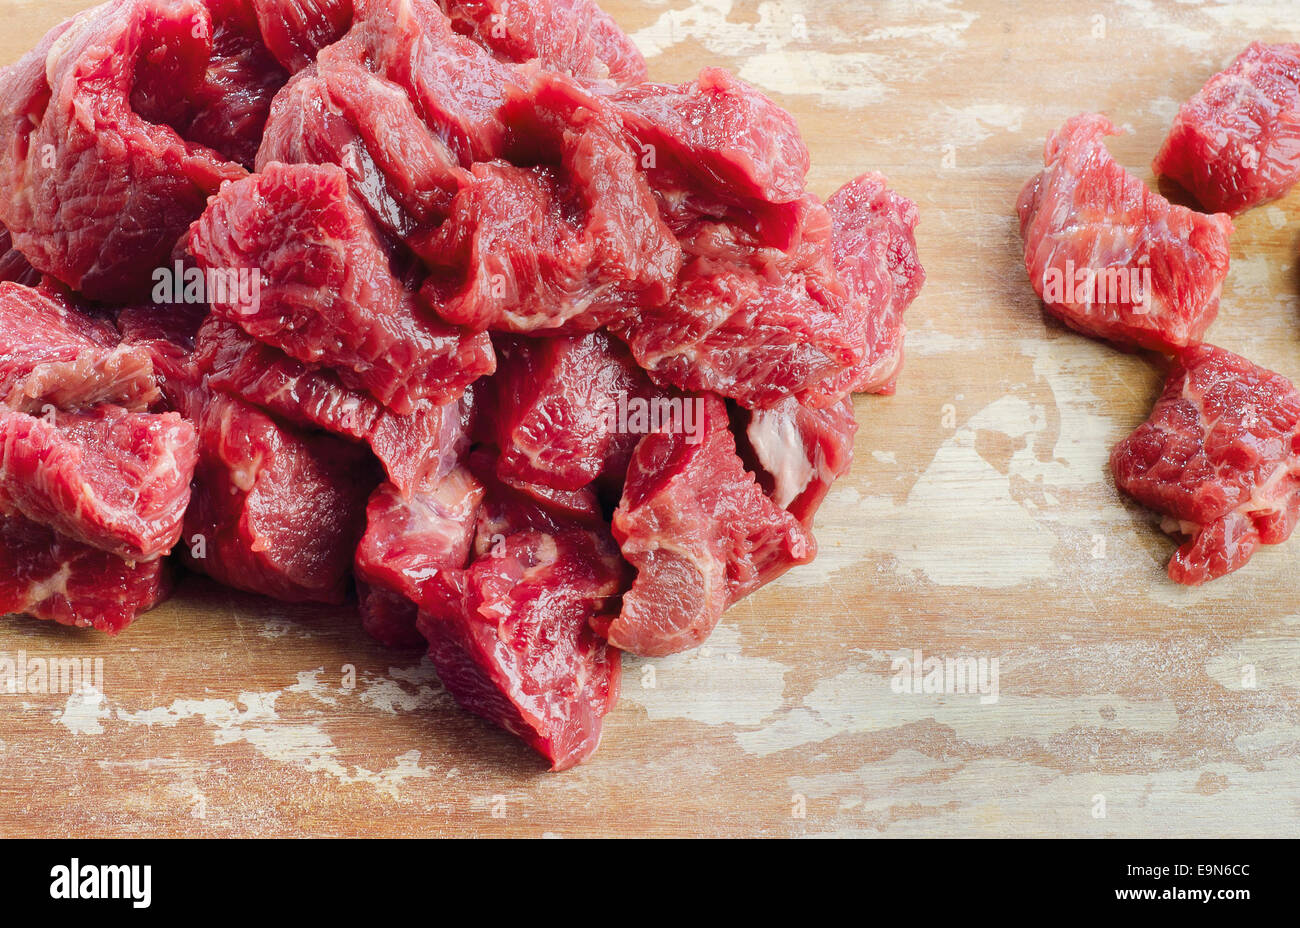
980,520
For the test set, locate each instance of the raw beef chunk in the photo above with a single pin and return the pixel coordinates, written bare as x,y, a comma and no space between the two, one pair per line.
556,408
1110,257
512,639
323,290
274,511
51,354
337,112
800,452
93,194
570,36
243,78
1219,459
409,447
457,87
411,543
295,30
52,577
1236,144
227,110
720,135
167,332
512,505
564,247
874,251
508,592
702,535
110,478
752,323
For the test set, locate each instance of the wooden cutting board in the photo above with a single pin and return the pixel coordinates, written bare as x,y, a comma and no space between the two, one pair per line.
980,521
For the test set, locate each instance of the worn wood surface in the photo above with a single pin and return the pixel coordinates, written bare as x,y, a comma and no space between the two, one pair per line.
980,520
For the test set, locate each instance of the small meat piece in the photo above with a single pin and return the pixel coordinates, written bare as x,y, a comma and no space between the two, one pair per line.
51,577
874,251
53,355
409,447
275,511
410,545
512,506
324,292
92,194
570,36
227,110
556,405
749,322
552,249
1236,144
167,333
337,112
1113,259
512,640
457,87
296,30
719,135
800,452
1219,459
113,479
701,533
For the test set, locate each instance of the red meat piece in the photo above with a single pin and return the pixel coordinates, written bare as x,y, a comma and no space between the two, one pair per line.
1220,459
51,354
554,249
295,30
93,194
325,291
337,112
799,452
512,639
874,250
409,447
575,505
110,478
274,511
227,110
270,513
556,407
50,576
702,535
457,87
167,333
410,544
1113,259
1236,144
719,135
513,505
570,36
749,322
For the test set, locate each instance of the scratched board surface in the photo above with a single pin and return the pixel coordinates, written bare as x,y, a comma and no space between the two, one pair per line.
980,521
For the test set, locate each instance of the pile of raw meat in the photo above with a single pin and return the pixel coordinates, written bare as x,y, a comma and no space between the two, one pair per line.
1219,459
441,302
